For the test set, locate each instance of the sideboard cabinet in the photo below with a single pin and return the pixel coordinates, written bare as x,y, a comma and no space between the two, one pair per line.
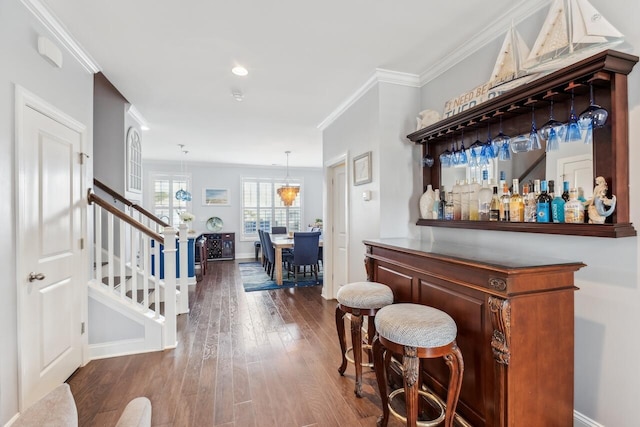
515,319
220,246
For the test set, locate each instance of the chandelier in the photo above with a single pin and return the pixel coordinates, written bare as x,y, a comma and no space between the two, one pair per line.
181,194
288,193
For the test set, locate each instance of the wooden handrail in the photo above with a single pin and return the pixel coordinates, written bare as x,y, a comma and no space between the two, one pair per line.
93,198
129,203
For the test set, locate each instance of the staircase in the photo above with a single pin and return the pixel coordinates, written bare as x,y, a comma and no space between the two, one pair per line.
134,292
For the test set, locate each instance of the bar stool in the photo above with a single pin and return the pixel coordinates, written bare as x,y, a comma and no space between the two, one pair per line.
359,299
416,332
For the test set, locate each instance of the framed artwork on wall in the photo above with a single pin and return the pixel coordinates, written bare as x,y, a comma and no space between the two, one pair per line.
362,168
215,197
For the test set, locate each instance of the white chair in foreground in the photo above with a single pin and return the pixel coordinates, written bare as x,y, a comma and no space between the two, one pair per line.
58,409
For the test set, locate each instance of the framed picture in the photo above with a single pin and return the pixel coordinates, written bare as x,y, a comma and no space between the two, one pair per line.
215,197
362,168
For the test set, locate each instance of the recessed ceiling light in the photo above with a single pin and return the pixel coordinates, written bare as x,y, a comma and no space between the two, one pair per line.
239,71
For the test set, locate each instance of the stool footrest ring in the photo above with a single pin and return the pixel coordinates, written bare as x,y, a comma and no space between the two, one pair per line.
430,397
347,355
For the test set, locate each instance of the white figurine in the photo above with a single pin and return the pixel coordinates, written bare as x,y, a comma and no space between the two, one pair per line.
597,204
427,117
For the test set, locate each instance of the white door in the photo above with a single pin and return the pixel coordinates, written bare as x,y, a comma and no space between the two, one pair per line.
49,254
339,215
578,170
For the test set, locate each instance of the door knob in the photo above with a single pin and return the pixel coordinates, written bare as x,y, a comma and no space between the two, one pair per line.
35,276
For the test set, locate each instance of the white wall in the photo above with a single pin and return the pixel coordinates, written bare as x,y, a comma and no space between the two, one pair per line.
379,121
608,302
70,89
227,176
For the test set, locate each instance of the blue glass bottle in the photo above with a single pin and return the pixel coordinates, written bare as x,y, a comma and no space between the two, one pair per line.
543,204
557,205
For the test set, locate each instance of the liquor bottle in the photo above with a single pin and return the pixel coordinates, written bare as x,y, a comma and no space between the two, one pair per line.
448,209
529,199
516,204
464,201
543,204
494,208
474,191
456,201
536,188
436,203
574,209
484,198
557,209
442,202
582,200
504,203
565,191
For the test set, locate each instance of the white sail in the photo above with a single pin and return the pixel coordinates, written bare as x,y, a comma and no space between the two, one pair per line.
512,53
589,26
572,30
553,36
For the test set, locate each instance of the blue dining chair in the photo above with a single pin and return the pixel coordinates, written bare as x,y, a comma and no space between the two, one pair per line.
305,252
270,253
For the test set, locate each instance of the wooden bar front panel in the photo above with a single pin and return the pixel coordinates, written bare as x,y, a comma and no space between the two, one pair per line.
515,331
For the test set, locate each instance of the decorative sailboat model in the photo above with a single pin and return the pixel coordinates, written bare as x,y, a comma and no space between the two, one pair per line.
572,30
508,72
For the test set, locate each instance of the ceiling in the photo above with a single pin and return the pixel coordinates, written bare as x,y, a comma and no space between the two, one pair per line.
172,60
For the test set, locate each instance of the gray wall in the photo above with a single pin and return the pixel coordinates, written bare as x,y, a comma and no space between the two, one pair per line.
70,89
226,176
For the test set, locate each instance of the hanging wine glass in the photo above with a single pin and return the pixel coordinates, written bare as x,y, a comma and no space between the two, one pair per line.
427,160
487,148
455,154
552,131
534,139
595,113
474,151
445,159
501,142
573,128
462,156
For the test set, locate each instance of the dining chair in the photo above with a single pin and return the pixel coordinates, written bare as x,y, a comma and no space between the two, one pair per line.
278,230
270,253
305,252
263,255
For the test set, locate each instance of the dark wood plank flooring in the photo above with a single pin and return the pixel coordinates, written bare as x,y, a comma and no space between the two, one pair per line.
265,358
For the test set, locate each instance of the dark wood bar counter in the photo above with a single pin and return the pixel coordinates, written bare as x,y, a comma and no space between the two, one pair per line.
515,319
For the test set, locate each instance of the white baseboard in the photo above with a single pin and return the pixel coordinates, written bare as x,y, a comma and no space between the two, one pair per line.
12,420
580,420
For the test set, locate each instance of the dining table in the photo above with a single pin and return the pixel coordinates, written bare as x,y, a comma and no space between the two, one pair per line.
280,243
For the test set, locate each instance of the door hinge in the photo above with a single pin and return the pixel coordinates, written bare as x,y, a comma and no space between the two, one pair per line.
82,328
82,243
82,157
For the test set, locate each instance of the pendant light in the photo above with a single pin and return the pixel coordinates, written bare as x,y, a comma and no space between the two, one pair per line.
182,194
288,193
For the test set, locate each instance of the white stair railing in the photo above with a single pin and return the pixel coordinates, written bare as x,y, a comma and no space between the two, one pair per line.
129,267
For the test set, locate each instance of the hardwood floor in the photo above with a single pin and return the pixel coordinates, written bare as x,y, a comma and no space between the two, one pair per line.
266,358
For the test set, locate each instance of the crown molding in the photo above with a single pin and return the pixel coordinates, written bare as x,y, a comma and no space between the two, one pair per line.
54,25
379,76
137,116
522,10
518,13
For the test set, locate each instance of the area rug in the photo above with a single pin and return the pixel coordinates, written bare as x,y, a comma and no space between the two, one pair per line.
254,278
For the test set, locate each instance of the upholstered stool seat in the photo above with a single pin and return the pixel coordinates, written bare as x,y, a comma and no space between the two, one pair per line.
359,299
416,332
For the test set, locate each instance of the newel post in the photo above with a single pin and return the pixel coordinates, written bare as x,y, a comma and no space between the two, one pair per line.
169,256
183,241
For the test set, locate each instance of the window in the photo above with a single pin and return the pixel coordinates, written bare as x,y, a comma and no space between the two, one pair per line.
263,209
134,161
164,204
